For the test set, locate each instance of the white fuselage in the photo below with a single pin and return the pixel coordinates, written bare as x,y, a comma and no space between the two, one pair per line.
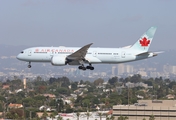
94,55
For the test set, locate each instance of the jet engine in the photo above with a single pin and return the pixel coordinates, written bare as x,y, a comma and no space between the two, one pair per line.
58,60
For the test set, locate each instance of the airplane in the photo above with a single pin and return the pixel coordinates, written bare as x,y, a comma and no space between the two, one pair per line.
60,56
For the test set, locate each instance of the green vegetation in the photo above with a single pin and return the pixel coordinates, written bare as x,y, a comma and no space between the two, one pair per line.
63,95
123,118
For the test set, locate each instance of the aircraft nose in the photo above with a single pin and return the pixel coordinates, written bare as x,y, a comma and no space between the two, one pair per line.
18,57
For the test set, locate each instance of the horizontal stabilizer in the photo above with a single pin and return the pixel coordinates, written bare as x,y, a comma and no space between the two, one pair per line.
148,53
158,52
144,53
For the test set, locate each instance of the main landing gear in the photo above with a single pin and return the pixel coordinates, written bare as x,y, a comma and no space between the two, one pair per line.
87,67
29,66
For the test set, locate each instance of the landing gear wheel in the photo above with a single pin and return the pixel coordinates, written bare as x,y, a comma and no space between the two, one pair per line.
82,68
88,67
91,68
29,66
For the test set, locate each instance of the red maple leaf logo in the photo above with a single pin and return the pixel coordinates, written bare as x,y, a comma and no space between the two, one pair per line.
144,42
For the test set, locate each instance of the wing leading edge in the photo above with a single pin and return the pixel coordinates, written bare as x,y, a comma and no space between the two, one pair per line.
79,54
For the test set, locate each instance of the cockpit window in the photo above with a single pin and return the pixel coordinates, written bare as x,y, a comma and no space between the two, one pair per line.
22,52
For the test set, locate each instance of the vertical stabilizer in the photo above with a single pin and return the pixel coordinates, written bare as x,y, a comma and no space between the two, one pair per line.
144,42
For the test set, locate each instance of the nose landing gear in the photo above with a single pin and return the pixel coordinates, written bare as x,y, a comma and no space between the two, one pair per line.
29,66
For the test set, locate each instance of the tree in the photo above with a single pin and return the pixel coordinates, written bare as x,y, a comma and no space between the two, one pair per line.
42,89
74,85
15,114
59,118
135,78
52,116
8,115
65,82
60,105
2,98
88,115
44,115
122,118
99,81
152,117
112,117
100,115
62,90
68,109
107,116
113,80
91,89
39,78
77,115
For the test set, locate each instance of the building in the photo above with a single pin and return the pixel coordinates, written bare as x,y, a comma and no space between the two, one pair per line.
161,109
5,87
170,96
82,116
49,95
120,69
24,83
130,85
114,70
11,105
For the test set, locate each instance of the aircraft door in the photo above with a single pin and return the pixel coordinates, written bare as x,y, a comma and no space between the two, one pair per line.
29,52
123,54
51,53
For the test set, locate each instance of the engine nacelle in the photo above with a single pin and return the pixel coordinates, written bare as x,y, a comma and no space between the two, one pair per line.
58,60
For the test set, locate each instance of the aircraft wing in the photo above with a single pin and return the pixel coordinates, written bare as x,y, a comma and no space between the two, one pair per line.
79,54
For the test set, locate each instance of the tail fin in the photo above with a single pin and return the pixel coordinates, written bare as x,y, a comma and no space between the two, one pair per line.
144,42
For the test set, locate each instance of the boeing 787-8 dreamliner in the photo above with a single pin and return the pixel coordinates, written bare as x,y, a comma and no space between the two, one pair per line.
60,56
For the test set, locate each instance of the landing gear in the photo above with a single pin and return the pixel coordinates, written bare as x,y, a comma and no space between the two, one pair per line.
82,67
29,66
90,67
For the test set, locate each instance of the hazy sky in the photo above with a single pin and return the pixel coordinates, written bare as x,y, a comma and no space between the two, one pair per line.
106,23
